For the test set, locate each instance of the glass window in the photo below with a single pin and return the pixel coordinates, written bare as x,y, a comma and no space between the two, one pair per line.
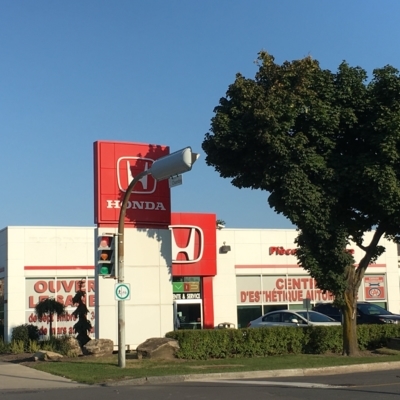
245,314
314,317
296,307
268,308
372,309
274,317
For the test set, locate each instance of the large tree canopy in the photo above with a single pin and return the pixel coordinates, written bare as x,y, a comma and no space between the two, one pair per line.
326,146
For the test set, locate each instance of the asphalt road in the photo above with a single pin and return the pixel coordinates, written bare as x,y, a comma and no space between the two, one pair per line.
351,386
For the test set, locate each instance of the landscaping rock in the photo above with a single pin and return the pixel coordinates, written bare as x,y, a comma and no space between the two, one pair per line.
44,355
74,346
98,347
158,348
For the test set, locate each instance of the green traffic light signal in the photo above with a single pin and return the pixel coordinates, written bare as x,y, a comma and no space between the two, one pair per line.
106,255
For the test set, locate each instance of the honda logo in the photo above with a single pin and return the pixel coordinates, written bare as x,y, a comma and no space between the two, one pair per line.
128,168
189,240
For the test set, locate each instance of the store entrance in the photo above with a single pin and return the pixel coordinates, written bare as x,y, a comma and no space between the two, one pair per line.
188,314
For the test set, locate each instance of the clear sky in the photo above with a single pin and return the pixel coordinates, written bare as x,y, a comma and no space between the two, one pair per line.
152,71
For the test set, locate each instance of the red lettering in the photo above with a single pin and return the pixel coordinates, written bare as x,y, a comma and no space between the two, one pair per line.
281,251
32,303
296,283
90,286
67,285
280,283
243,297
68,301
40,287
251,296
91,300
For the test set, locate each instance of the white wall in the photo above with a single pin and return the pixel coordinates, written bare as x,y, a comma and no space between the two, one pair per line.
149,312
50,247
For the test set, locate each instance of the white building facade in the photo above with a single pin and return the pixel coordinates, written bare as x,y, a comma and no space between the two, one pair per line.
257,274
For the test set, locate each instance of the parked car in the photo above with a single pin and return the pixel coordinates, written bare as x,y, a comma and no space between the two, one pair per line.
292,318
367,313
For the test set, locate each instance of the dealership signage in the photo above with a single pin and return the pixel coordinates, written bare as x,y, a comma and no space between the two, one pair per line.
282,251
63,290
186,290
116,165
193,244
260,289
374,287
278,289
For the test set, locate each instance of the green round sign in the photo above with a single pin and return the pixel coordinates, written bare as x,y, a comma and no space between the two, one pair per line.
122,291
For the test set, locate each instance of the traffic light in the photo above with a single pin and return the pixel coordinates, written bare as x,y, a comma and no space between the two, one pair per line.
106,256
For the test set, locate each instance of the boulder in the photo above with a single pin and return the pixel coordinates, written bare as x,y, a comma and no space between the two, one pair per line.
74,347
44,355
98,347
158,348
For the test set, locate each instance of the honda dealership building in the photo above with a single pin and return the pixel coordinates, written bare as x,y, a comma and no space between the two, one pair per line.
181,270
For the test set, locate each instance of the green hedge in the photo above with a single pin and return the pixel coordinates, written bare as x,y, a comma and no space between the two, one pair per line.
261,342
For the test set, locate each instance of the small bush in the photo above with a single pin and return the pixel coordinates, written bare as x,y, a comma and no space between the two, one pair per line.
57,344
33,346
17,347
4,347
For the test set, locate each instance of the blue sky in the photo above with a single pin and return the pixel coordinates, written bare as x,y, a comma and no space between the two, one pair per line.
151,71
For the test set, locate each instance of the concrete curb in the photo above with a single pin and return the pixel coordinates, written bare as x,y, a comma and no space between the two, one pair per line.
345,369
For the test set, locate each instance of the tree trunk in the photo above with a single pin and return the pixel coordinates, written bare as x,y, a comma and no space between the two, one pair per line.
350,343
349,310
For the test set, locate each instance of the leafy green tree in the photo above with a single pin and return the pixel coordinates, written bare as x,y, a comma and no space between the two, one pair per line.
326,146
50,307
83,326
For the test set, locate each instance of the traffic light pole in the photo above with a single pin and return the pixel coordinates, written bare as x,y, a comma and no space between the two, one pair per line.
121,276
173,164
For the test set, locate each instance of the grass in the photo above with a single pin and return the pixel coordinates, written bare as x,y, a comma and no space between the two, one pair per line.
105,369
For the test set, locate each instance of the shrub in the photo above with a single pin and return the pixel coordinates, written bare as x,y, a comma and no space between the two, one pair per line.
261,342
25,333
57,344
4,347
33,346
17,346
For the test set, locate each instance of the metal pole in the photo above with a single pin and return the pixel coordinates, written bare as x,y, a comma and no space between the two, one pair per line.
121,277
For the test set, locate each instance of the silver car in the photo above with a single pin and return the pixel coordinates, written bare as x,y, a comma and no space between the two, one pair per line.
292,318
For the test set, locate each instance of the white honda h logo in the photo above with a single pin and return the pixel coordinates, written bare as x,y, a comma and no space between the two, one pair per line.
193,253
128,168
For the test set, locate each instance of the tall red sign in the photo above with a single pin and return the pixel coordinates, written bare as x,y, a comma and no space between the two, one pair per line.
194,248
115,166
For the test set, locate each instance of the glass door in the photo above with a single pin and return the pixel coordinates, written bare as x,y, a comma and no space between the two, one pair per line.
188,314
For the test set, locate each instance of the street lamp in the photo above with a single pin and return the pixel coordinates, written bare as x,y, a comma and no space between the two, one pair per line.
173,164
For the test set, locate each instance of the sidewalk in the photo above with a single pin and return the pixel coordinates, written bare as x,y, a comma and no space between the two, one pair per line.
16,376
